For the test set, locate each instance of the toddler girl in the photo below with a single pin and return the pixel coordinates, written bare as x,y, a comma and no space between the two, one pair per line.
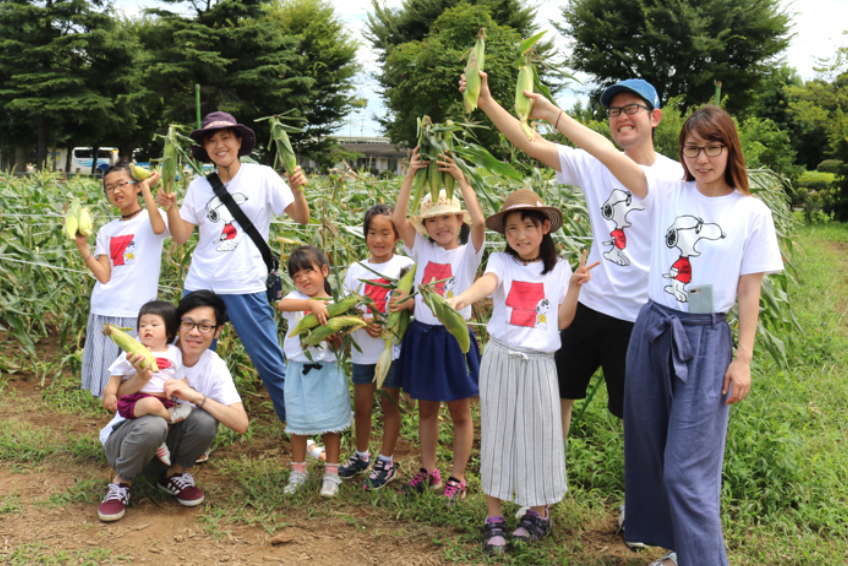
316,394
157,328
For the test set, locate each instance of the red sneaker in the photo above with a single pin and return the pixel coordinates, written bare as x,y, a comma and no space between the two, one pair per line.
114,505
182,485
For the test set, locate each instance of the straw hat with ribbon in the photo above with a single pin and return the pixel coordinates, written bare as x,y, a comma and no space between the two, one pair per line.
218,121
429,209
524,199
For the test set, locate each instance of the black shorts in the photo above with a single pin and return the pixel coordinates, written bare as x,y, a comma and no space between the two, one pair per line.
593,340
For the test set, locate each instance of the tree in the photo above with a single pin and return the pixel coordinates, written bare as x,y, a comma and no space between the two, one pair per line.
388,28
243,62
420,77
680,47
820,104
62,64
330,62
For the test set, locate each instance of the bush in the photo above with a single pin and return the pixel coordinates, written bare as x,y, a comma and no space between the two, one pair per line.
829,166
816,181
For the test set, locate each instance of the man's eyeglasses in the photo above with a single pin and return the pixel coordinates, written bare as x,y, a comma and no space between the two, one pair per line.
629,109
204,327
692,151
110,188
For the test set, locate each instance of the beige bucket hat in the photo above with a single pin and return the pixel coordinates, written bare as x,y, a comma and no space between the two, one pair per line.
429,209
524,199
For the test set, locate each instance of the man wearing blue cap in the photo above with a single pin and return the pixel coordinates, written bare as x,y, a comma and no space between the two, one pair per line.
608,306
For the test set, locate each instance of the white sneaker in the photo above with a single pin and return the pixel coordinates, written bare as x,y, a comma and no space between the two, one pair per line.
179,412
330,488
629,544
164,454
296,479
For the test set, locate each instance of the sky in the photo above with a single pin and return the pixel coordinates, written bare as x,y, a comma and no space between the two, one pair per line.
818,28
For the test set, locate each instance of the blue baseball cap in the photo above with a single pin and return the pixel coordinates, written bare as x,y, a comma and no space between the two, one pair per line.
637,86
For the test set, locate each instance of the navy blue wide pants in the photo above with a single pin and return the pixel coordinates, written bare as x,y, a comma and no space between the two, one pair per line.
675,428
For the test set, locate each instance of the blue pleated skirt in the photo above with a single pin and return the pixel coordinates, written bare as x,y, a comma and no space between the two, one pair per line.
434,367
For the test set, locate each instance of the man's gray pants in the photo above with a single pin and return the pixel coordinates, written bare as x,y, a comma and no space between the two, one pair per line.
131,448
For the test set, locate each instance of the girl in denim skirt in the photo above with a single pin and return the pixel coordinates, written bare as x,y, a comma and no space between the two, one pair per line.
317,398
433,366
381,236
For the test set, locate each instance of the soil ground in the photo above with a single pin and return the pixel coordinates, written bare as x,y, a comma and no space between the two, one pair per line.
51,512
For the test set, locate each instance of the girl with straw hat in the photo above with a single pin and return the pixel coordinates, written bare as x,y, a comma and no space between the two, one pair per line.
433,367
535,296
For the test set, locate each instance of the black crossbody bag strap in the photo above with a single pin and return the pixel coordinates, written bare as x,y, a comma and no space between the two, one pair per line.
227,199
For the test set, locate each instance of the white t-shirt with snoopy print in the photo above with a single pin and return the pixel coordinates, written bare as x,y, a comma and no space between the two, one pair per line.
700,240
526,303
226,260
621,232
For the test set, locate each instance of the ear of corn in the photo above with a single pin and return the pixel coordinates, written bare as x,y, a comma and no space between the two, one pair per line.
310,321
139,173
168,165
476,63
451,319
434,178
384,363
524,104
334,325
284,149
72,220
418,186
130,345
447,179
394,329
84,225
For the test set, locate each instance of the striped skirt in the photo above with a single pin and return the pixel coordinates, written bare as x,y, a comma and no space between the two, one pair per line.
522,456
100,351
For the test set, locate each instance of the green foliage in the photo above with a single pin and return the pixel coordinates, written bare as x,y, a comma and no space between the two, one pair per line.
420,77
330,62
63,67
820,104
764,145
679,47
389,28
829,166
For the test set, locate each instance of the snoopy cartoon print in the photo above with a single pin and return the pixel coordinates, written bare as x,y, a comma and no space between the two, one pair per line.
217,211
616,208
542,310
683,235
450,285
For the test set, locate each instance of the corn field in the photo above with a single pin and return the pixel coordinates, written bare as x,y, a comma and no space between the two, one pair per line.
45,287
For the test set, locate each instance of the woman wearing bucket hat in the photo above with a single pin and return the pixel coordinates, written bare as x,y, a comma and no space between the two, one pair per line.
226,260
433,367
535,293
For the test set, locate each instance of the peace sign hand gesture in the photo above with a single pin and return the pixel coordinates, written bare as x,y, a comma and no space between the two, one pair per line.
583,273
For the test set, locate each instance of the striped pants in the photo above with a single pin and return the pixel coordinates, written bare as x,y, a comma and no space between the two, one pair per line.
522,457
100,351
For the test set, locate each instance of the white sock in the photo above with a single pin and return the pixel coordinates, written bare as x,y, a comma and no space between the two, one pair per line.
364,455
389,459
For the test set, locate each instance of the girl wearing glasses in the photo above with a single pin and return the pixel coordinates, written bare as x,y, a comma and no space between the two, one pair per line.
125,262
712,243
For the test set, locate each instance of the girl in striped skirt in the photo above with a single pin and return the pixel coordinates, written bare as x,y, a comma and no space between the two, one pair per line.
522,454
125,262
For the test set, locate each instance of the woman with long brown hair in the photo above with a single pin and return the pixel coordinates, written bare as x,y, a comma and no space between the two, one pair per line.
712,243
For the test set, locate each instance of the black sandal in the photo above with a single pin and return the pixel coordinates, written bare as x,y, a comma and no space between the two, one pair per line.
536,527
492,531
